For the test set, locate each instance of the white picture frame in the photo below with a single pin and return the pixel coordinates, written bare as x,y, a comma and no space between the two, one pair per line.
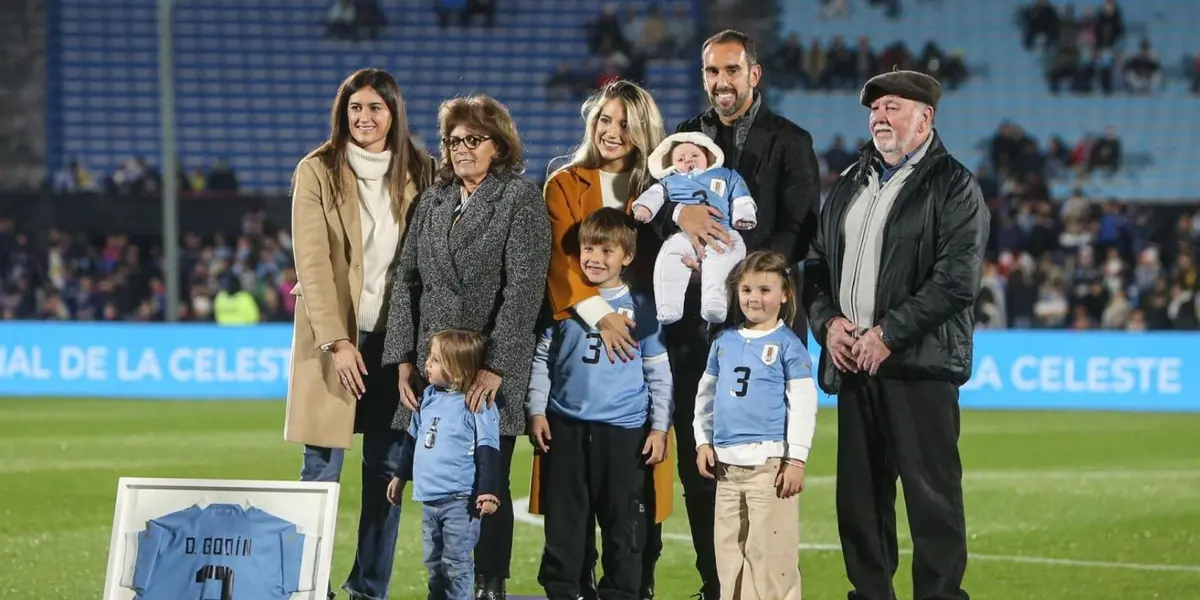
311,506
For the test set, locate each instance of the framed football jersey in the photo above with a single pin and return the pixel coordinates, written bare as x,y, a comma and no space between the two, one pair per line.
221,539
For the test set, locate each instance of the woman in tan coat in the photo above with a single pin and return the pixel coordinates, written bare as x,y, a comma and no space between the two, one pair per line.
350,203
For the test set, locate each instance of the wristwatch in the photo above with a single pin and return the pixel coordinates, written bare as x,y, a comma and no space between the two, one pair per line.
887,341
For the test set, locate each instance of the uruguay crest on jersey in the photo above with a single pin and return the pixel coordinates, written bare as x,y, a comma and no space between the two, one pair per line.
770,354
717,186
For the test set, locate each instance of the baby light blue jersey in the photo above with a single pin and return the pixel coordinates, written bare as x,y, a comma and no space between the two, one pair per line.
717,187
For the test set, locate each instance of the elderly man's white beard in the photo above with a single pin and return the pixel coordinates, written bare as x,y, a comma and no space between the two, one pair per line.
892,144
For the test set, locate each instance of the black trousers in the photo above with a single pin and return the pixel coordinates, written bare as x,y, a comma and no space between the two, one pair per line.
597,469
687,345
493,552
889,428
651,550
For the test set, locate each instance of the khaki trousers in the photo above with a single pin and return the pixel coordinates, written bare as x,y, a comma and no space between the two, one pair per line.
756,534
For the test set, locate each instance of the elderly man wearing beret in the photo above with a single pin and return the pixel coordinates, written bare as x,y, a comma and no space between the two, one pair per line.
889,286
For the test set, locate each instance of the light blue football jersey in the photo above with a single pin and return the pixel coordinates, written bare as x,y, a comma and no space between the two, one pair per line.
750,403
446,436
220,552
717,187
573,377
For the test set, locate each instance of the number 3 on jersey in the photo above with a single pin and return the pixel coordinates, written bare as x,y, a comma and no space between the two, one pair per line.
743,381
593,351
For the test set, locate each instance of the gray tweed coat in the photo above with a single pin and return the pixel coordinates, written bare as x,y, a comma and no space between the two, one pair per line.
485,273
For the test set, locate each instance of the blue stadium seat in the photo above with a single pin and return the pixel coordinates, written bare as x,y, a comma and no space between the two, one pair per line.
254,78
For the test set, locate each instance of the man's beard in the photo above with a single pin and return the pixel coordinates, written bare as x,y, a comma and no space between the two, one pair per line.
739,100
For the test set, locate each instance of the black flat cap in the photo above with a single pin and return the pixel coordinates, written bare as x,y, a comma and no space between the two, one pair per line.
906,84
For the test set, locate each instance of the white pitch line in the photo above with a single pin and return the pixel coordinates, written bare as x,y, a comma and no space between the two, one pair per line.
521,515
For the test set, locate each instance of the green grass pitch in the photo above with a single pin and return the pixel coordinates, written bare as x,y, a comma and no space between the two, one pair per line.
1062,506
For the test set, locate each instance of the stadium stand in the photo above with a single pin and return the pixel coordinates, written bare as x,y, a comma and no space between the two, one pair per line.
1008,83
254,78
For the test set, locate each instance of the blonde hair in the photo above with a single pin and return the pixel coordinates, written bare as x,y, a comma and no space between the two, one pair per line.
462,353
646,131
762,261
487,115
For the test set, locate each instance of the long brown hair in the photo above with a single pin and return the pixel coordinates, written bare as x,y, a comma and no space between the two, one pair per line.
763,261
407,162
487,115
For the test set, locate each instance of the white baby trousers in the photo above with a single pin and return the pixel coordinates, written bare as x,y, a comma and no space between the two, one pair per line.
671,277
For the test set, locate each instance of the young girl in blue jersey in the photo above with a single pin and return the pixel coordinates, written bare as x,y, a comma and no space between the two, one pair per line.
451,455
756,411
600,424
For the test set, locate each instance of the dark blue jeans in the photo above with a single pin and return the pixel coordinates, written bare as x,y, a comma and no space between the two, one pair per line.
378,520
449,535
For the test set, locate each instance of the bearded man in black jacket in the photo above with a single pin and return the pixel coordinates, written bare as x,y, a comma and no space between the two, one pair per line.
890,288
776,158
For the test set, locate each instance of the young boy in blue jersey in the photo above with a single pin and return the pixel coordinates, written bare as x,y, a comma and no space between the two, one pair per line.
756,412
451,455
688,167
600,424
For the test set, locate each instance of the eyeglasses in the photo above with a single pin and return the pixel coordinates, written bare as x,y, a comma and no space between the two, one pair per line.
472,141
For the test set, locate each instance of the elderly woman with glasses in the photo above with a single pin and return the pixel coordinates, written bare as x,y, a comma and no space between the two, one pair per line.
475,258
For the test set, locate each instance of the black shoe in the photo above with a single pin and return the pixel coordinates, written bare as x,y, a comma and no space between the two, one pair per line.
490,588
647,593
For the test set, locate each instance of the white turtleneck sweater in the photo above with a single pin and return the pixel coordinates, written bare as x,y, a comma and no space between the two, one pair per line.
380,232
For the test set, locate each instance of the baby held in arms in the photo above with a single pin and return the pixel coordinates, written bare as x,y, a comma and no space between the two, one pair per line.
688,167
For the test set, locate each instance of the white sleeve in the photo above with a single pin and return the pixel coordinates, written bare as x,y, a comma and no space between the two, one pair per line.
744,209
675,215
706,392
801,417
591,310
653,198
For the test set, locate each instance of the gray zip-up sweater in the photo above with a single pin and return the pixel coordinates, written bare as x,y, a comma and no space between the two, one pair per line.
865,221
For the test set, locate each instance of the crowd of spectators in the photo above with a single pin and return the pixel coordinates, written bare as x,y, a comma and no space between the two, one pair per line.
135,176
70,276
621,42
1080,262
1088,51
842,67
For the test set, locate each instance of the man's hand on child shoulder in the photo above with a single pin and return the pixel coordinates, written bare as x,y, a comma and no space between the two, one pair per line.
655,448
395,490
487,504
790,480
